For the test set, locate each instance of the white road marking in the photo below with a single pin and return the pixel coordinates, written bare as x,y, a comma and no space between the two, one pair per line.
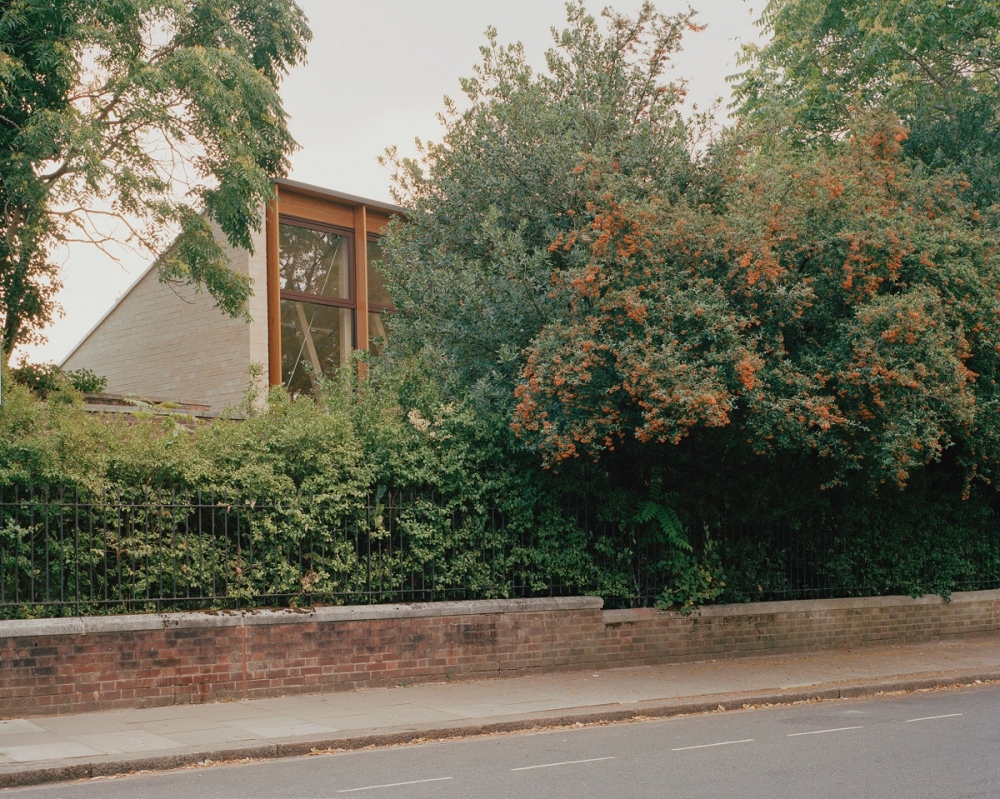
394,784
706,746
820,732
564,763
928,718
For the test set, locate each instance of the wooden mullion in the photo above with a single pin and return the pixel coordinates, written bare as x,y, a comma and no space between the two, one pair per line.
361,277
272,246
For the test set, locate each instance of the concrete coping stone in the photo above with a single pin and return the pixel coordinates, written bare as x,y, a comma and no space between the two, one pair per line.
801,606
93,625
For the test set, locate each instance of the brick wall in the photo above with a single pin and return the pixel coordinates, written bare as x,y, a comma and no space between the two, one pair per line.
173,343
72,665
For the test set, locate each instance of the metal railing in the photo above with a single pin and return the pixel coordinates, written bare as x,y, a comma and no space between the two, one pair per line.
63,553
815,558
67,553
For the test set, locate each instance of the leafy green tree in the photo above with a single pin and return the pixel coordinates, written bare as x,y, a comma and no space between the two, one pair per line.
934,63
472,267
837,302
130,120
567,246
794,325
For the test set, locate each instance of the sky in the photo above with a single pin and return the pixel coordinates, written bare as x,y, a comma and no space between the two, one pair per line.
376,75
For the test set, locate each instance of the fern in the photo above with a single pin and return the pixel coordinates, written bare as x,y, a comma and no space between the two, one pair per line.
668,528
689,580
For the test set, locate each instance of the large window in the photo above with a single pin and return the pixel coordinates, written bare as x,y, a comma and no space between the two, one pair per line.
318,302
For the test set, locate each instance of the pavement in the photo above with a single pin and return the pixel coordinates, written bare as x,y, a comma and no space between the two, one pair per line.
42,749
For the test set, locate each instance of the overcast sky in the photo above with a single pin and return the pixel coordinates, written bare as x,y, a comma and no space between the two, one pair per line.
375,77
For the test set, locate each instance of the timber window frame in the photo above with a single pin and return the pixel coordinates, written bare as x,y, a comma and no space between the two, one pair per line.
319,312
311,207
350,301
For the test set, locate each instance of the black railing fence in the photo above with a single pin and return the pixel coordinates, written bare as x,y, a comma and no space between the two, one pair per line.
816,558
65,553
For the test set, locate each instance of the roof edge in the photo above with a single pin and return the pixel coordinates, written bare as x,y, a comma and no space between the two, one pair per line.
350,199
110,311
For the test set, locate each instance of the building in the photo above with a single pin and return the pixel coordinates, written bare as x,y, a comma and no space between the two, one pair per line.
316,297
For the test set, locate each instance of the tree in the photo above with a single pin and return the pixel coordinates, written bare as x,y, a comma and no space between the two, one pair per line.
471,269
934,64
835,302
130,121
770,308
790,334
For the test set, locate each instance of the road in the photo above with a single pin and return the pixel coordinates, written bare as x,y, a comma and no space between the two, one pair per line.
939,745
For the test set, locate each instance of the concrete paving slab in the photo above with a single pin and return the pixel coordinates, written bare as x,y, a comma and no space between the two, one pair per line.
280,726
170,727
542,705
282,704
376,698
414,714
116,743
227,711
215,736
513,707
325,715
18,727
324,702
30,739
478,711
53,751
82,723
369,722
146,714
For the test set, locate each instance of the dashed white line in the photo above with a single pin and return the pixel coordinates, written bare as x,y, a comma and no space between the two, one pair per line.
393,784
929,718
820,732
707,746
564,763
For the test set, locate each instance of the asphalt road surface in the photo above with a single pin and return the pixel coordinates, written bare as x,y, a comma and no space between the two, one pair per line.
939,745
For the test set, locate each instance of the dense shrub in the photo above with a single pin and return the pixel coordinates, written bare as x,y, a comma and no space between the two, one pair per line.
383,492
310,481
45,378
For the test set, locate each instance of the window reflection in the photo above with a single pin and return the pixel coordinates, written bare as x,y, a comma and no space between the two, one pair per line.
315,339
314,262
378,293
319,302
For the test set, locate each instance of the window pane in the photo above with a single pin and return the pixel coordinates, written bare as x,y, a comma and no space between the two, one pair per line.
315,339
379,326
378,294
315,262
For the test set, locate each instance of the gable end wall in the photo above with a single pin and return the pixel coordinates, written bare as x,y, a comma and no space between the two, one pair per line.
172,343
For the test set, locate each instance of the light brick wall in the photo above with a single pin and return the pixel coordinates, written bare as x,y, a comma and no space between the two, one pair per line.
172,343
